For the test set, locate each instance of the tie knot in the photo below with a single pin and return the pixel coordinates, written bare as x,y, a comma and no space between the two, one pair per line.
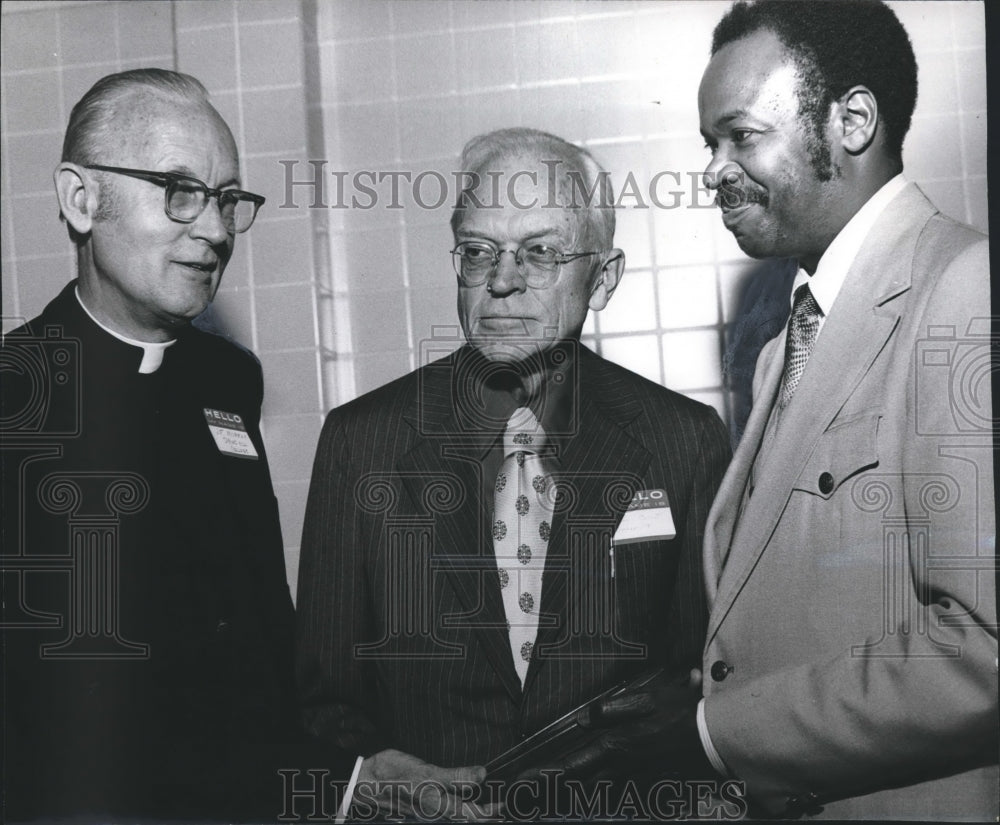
523,433
804,305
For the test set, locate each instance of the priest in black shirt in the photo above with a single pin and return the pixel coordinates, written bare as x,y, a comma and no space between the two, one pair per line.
147,622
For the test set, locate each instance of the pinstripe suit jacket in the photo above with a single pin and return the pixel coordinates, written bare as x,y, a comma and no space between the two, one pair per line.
402,636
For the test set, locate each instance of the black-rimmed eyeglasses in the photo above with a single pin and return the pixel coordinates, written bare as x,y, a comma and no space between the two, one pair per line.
185,197
537,263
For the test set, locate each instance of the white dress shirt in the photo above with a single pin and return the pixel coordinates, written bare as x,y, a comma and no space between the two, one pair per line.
832,269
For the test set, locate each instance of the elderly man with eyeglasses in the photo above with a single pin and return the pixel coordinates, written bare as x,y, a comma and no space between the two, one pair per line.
147,620
507,532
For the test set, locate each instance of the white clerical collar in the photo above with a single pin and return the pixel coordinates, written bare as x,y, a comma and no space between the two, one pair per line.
833,267
152,353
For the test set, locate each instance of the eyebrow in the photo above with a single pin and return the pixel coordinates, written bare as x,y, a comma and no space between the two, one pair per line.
539,233
727,118
185,170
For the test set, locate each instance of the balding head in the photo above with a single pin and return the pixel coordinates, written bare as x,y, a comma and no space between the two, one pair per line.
143,271
579,181
117,102
534,231
113,123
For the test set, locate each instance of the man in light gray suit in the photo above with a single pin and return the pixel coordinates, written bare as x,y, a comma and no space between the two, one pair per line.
850,664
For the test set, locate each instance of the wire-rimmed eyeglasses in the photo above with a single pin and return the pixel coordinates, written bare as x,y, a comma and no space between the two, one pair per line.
185,198
537,263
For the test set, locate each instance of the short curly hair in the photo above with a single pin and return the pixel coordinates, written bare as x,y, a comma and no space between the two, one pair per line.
837,44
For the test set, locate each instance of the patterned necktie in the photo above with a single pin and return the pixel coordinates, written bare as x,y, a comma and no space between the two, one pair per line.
802,330
522,522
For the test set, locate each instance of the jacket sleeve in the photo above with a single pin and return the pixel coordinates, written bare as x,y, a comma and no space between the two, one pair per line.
337,692
689,607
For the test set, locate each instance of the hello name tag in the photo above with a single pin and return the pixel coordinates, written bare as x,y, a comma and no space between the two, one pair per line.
648,518
230,434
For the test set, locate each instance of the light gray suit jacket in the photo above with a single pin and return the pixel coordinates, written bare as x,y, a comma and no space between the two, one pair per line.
851,659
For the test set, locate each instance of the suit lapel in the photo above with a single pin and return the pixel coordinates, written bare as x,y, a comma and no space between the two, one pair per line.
601,468
861,322
726,507
450,452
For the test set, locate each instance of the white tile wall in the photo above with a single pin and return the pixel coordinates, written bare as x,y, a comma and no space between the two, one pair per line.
337,301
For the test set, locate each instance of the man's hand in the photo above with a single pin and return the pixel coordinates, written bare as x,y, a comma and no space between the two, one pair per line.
650,730
395,783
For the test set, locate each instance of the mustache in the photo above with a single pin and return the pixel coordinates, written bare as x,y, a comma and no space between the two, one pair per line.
735,191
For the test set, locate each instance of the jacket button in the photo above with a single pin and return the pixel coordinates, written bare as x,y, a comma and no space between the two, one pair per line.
720,670
222,626
826,483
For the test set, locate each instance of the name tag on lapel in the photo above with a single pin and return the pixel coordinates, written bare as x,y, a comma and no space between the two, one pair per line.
230,434
648,518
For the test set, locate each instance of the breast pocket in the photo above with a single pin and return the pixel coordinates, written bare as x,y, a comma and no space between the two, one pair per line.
643,584
843,451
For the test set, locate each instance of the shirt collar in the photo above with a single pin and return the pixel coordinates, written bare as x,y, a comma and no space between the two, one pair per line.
833,267
503,392
152,353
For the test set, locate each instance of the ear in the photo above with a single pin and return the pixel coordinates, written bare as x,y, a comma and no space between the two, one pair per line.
77,196
607,279
857,116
